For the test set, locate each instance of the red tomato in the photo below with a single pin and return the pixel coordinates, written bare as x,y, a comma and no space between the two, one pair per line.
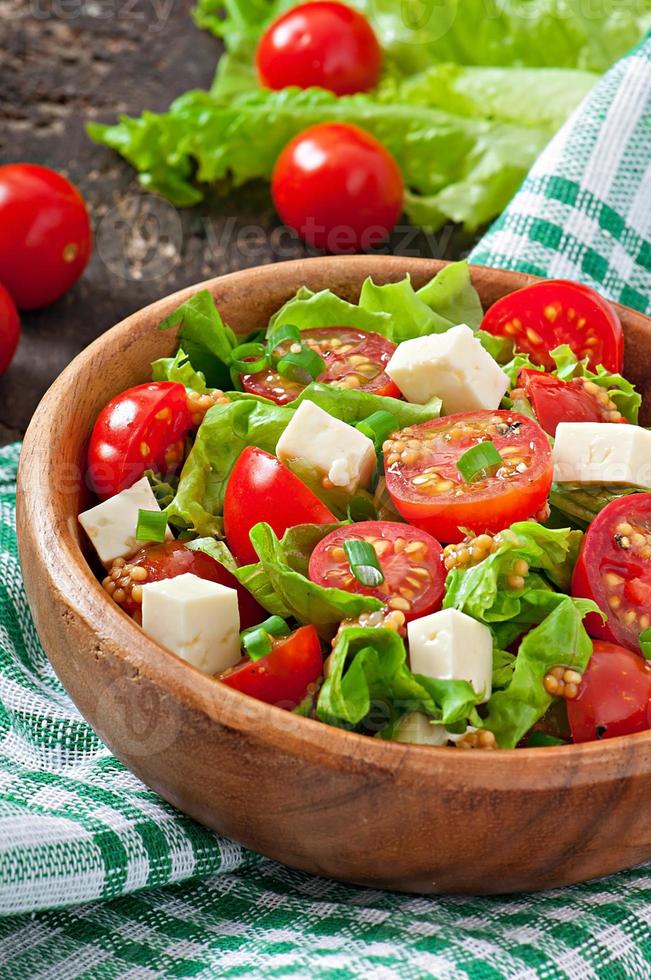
614,569
324,44
354,359
428,490
540,317
9,329
142,428
45,236
284,675
411,562
555,401
172,558
338,187
614,697
260,488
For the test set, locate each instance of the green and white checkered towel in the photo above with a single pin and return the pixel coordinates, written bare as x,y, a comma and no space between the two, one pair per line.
78,830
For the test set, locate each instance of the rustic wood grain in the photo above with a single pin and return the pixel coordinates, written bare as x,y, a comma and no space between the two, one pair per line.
66,62
316,798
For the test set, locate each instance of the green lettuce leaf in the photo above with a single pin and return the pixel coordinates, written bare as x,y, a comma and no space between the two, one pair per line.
369,682
247,420
451,294
560,639
205,338
277,585
579,503
178,368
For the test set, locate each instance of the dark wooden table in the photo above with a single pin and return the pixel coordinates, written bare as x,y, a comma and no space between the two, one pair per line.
64,62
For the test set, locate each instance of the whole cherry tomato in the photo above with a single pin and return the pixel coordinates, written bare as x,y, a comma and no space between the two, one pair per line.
321,43
45,236
338,187
9,329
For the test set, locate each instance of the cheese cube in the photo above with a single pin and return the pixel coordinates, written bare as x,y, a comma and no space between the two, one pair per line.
196,619
111,525
449,645
418,729
602,452
453,366
332,448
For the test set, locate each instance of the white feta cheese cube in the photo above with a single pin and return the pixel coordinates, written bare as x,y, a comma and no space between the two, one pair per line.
602,452
449,645
196,619
111,525
329,446
453,366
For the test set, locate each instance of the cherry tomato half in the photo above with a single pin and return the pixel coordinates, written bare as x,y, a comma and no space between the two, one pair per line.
411,562
577,400
45,236
260,488
614,569
143,428
338,187
540,317
614,697
284,675
9,329
322,43
429,491
167,560
354,359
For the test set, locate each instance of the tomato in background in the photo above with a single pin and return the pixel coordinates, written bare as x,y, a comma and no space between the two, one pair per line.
614,696
614,570
284,675
411,562
261,488
45,235
338,187
555,401
428,490
325,44
172,558
539,318
9,329
140,429
354,359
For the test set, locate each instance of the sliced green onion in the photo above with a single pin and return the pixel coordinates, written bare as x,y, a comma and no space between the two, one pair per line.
478,460
249,358
378,426
152,525
287,331
302,367
257,643
275,625
539,740
363,562
645,643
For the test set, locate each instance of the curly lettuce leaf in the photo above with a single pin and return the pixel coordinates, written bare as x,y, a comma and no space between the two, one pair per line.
560,639
276,584
369,682
178,368
204,337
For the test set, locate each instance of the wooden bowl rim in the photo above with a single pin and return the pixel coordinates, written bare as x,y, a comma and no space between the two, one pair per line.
553,765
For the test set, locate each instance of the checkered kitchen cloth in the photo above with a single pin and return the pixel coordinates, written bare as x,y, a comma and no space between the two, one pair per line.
85,847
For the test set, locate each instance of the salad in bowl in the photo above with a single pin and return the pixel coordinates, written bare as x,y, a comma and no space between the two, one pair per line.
403,517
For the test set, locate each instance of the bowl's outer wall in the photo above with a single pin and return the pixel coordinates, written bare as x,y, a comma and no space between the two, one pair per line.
316,798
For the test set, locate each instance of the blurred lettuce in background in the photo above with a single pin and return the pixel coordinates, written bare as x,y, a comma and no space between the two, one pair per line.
472,91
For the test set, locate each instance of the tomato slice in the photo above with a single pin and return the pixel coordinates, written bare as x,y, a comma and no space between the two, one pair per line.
161,561
614,569
411,562
540,317
577,400
354,359
428,490
260,488
284,676
142,428
614,697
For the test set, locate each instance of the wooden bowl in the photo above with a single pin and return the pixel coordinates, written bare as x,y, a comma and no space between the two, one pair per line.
323,800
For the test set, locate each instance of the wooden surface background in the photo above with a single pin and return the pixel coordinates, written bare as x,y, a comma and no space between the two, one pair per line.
64,62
